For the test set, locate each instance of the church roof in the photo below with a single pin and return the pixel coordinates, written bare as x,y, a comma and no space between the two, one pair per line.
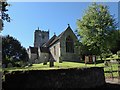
44,49
59,37
49,41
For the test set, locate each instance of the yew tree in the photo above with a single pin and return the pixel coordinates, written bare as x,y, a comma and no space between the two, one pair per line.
12,50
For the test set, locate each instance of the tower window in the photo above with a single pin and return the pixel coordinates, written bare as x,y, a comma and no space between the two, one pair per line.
69,45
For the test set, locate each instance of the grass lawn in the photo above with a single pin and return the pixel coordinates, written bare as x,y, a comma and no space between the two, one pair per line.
57,65
65,65
113,69
113,57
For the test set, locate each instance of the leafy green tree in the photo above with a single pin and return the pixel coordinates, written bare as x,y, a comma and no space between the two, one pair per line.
96,29
116,47
83,50
12,51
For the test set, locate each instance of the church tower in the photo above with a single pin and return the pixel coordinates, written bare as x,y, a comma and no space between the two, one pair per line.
40,37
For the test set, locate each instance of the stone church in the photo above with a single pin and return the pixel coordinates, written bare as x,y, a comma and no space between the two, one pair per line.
57,48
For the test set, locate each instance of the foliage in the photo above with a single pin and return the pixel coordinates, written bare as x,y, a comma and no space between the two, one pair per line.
112,71
12,51
82,49
116,47
96,29
3,14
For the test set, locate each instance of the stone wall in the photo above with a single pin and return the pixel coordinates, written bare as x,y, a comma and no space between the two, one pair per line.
61,78
44,57
33,57
65,55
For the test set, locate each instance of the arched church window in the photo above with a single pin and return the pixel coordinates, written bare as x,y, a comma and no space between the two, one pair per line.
69,45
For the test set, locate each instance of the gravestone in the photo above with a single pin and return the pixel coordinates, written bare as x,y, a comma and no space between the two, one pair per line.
9,65
44,63
3,65
60,59
90,59
51,63
94,59
45,60
106,63
86,59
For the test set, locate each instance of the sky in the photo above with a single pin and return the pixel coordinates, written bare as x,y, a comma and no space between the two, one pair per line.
26,17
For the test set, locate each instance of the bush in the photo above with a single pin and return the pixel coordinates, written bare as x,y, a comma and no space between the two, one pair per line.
118,53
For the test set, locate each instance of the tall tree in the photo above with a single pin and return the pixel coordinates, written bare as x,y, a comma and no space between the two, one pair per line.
12,50
96,29
116,47
3,14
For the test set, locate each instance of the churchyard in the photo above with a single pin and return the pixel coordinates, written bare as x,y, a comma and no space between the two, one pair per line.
63,69
110,70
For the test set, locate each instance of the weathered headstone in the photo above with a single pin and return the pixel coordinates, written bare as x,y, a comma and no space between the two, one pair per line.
106,63
60,59
44,63
90,59
9,65
86,59
45,60
3,65
51,63
94,59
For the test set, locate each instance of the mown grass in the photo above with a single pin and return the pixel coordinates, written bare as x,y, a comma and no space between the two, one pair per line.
111,71
57,65
65,65
113,57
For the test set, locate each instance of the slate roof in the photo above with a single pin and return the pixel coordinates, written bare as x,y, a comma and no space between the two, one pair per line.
49,41
59,37
44,49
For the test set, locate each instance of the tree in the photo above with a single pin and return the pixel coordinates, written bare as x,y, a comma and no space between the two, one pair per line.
96,29
83,50
12,51
3,14
116,47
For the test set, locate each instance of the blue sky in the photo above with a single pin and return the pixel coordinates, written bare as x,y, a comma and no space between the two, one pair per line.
53,16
